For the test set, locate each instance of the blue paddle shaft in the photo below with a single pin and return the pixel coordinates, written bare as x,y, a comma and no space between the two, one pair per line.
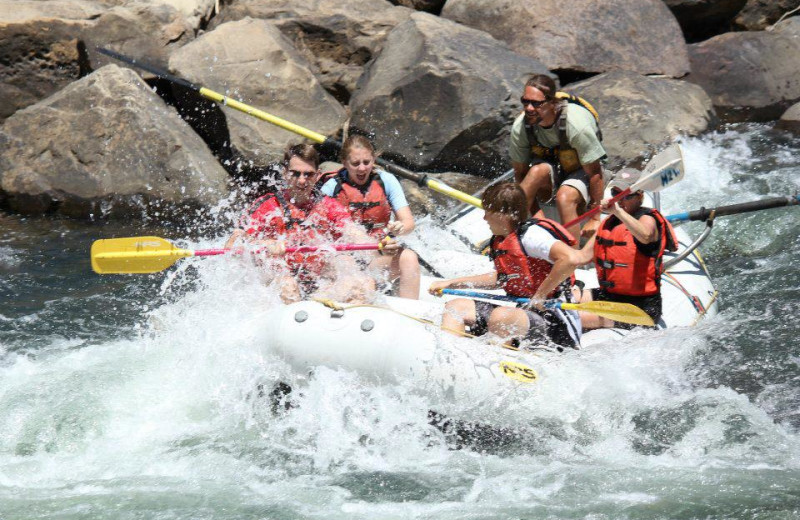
499,297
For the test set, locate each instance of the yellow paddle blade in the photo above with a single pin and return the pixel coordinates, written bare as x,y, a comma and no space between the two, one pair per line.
134,255
621,312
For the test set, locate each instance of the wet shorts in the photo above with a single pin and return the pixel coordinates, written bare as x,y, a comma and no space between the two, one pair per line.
649,304
542,324
577,179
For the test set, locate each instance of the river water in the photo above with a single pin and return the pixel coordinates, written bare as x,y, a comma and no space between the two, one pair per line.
137,396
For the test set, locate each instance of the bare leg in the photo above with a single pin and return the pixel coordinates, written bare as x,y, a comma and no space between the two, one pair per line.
404,265
537,185
508,322
568,201
457,314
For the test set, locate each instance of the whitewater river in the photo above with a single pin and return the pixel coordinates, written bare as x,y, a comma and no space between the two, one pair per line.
137,396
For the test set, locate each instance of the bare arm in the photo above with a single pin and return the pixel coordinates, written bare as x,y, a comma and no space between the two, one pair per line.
644,229
565,259
404,222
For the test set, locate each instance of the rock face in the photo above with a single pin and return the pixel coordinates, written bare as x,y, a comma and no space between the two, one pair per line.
757,15
790,120
750,74
442,95
252,61
47,44
338,37
639,112
582,35
105,145
701,19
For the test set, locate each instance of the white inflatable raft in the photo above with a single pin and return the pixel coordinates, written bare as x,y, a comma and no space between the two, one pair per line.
400,342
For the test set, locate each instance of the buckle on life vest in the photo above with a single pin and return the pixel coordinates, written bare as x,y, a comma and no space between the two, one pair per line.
364,205
494,253
607,284
606,264
608,242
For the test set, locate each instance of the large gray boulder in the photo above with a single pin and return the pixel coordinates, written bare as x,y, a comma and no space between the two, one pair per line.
750,74
39,43
442,95
638,113
250,60
701,19
337,37
47,44
757,15
582,35
105,145
790,120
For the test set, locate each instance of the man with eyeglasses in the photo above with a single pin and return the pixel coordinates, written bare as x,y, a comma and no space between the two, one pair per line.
556,154
628,252
296,214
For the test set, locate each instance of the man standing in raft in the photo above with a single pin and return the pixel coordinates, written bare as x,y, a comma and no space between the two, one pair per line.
628,252
298,215
372,197
533,259
555,152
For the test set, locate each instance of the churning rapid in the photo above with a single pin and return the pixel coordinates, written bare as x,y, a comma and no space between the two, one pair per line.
148,396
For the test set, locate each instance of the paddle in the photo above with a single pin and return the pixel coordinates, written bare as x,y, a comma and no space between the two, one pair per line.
703,214
136,255
420,179
621,312
665,169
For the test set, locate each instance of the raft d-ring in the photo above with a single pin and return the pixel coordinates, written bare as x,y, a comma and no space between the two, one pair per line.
367,325
300,316
337,313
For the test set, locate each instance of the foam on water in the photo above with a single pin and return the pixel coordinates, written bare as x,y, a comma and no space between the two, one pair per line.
168,415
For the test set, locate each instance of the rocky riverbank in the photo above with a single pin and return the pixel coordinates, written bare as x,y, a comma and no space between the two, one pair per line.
437,83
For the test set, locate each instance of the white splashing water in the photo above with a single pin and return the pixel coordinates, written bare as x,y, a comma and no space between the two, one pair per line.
174,423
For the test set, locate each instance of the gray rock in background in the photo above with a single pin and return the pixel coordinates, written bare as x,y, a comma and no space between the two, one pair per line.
338,37
250,60
790,120
757,15
750,75
443,95
583,35
105,145
638,113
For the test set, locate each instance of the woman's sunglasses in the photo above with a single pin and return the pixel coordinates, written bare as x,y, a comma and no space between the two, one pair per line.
615,192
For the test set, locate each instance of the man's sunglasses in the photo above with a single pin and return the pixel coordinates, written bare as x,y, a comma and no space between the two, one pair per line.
532,102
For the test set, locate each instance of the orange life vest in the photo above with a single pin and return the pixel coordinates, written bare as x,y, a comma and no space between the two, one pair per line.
293,226
622,267
368,204
519,274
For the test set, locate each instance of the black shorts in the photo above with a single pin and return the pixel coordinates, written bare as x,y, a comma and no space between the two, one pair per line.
543,324
649,304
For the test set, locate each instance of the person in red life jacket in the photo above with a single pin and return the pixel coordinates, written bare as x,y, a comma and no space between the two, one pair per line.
299,215
556,152
628,252
533,258
372,197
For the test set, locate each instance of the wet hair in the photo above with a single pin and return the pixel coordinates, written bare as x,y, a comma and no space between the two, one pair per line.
507,199
544,84
356,141
306,152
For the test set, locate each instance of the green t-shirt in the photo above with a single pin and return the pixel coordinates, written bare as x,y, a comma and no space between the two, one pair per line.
581,135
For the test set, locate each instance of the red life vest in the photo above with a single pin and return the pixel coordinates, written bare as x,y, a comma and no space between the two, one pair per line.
368,204
622,267
520,274
293,225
